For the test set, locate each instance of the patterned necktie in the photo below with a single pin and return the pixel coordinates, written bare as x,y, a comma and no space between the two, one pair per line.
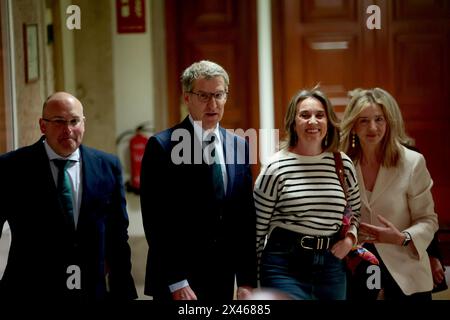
216,171
64,190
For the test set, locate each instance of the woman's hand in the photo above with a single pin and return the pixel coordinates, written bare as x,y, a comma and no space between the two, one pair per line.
437,270
343,246
384,234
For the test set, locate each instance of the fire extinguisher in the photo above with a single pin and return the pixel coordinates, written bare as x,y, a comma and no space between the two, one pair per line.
137,148
137,143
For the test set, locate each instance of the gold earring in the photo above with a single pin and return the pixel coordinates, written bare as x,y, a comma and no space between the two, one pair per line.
326,140
353,141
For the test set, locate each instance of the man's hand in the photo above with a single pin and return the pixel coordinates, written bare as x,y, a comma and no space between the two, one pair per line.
185,293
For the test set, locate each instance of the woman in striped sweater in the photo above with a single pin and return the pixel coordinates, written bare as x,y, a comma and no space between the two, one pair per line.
300,205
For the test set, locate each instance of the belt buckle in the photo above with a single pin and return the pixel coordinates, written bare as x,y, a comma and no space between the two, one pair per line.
303,246
321,245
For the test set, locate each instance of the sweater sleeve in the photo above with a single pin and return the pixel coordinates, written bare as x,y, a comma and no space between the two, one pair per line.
265,195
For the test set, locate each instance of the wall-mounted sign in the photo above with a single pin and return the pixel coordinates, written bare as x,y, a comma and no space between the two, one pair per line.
130,16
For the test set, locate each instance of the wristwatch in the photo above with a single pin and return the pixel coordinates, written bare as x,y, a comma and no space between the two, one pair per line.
407,238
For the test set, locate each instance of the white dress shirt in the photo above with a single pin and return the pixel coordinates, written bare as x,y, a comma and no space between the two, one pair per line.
202,135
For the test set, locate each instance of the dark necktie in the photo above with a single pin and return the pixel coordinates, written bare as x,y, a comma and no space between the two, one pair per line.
64,190
216,171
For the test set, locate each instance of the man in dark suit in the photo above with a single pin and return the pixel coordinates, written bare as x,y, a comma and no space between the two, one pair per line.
198,214
75,249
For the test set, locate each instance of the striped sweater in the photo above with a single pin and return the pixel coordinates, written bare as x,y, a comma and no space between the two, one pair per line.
303,194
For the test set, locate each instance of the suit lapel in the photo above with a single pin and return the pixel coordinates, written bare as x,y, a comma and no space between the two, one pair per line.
44,162
90,170
229,155
196,145
48,194
229,150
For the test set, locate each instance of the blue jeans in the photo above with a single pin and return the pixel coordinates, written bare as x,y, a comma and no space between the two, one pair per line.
303,274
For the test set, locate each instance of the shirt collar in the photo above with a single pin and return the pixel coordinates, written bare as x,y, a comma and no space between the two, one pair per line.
52,155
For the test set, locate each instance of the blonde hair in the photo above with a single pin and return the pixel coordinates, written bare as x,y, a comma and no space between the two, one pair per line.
331,141
395,129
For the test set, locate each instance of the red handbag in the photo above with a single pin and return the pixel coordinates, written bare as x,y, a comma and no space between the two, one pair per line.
358,253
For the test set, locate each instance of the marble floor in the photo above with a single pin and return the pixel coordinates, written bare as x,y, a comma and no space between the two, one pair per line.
138,243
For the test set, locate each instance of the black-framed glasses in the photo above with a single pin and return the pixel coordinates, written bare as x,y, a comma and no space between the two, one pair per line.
61,122
206,96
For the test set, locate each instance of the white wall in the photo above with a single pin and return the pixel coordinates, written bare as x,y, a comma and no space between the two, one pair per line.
133,81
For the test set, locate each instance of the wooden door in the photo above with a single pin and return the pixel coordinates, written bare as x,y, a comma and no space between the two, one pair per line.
328,42
418,59
317,42
223,31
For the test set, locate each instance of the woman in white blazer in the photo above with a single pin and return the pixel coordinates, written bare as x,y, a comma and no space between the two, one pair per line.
397,208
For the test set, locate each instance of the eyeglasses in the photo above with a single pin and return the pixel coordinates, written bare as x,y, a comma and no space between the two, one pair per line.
206,96
60,122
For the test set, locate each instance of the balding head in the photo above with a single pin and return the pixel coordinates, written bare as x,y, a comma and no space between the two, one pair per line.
62,123
60,97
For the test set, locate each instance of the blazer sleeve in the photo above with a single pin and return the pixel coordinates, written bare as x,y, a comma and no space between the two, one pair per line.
424,222
118,252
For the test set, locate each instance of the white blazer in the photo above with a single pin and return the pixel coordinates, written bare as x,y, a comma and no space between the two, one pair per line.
402,195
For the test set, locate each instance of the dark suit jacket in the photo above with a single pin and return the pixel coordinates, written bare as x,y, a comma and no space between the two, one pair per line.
43,247
192,235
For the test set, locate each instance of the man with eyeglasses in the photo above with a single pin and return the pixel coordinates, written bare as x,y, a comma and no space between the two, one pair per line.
198,213
66,209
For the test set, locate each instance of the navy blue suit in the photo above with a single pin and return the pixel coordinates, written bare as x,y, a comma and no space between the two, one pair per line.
43,245
191,234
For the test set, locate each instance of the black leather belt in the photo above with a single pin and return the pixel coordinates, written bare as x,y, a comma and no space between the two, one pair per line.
307,242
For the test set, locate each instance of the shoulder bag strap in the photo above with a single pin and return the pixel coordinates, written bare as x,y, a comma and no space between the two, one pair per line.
339,165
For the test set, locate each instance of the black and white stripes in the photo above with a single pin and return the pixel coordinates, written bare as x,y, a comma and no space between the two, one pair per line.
303,194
